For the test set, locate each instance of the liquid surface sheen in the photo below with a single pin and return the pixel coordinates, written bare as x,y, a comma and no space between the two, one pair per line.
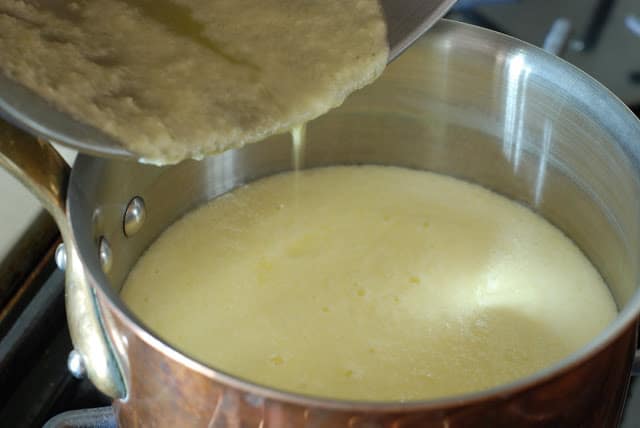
369,283
173,79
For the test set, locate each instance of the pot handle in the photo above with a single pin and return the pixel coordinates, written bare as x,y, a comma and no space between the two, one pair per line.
37,165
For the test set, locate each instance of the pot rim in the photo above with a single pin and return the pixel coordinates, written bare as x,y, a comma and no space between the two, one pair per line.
625,319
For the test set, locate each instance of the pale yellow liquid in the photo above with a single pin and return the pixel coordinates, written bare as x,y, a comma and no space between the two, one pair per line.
369,283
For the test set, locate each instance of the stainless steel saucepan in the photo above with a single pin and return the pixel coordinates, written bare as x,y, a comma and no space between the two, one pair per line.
463,101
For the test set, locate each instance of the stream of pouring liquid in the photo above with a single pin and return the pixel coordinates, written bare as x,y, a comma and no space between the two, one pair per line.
298,141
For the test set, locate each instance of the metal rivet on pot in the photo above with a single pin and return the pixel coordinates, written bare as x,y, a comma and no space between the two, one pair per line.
75,364
61,257
134,216
106,258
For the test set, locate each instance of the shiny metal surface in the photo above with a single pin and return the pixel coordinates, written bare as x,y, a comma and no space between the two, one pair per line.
406,20
27,110
134,216
105,255
61,257
557,38
40,168
75,365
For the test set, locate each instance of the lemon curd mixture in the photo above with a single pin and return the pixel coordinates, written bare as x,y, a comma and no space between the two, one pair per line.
173,79
369,283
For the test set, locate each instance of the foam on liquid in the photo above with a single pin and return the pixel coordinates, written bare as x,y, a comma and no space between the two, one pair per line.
369,283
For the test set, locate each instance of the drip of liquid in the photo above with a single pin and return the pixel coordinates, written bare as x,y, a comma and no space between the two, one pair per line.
299,141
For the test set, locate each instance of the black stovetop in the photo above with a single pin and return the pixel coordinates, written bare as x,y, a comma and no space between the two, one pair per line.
35,384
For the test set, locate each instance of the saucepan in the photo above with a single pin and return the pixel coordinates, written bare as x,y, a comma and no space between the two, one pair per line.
463,101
